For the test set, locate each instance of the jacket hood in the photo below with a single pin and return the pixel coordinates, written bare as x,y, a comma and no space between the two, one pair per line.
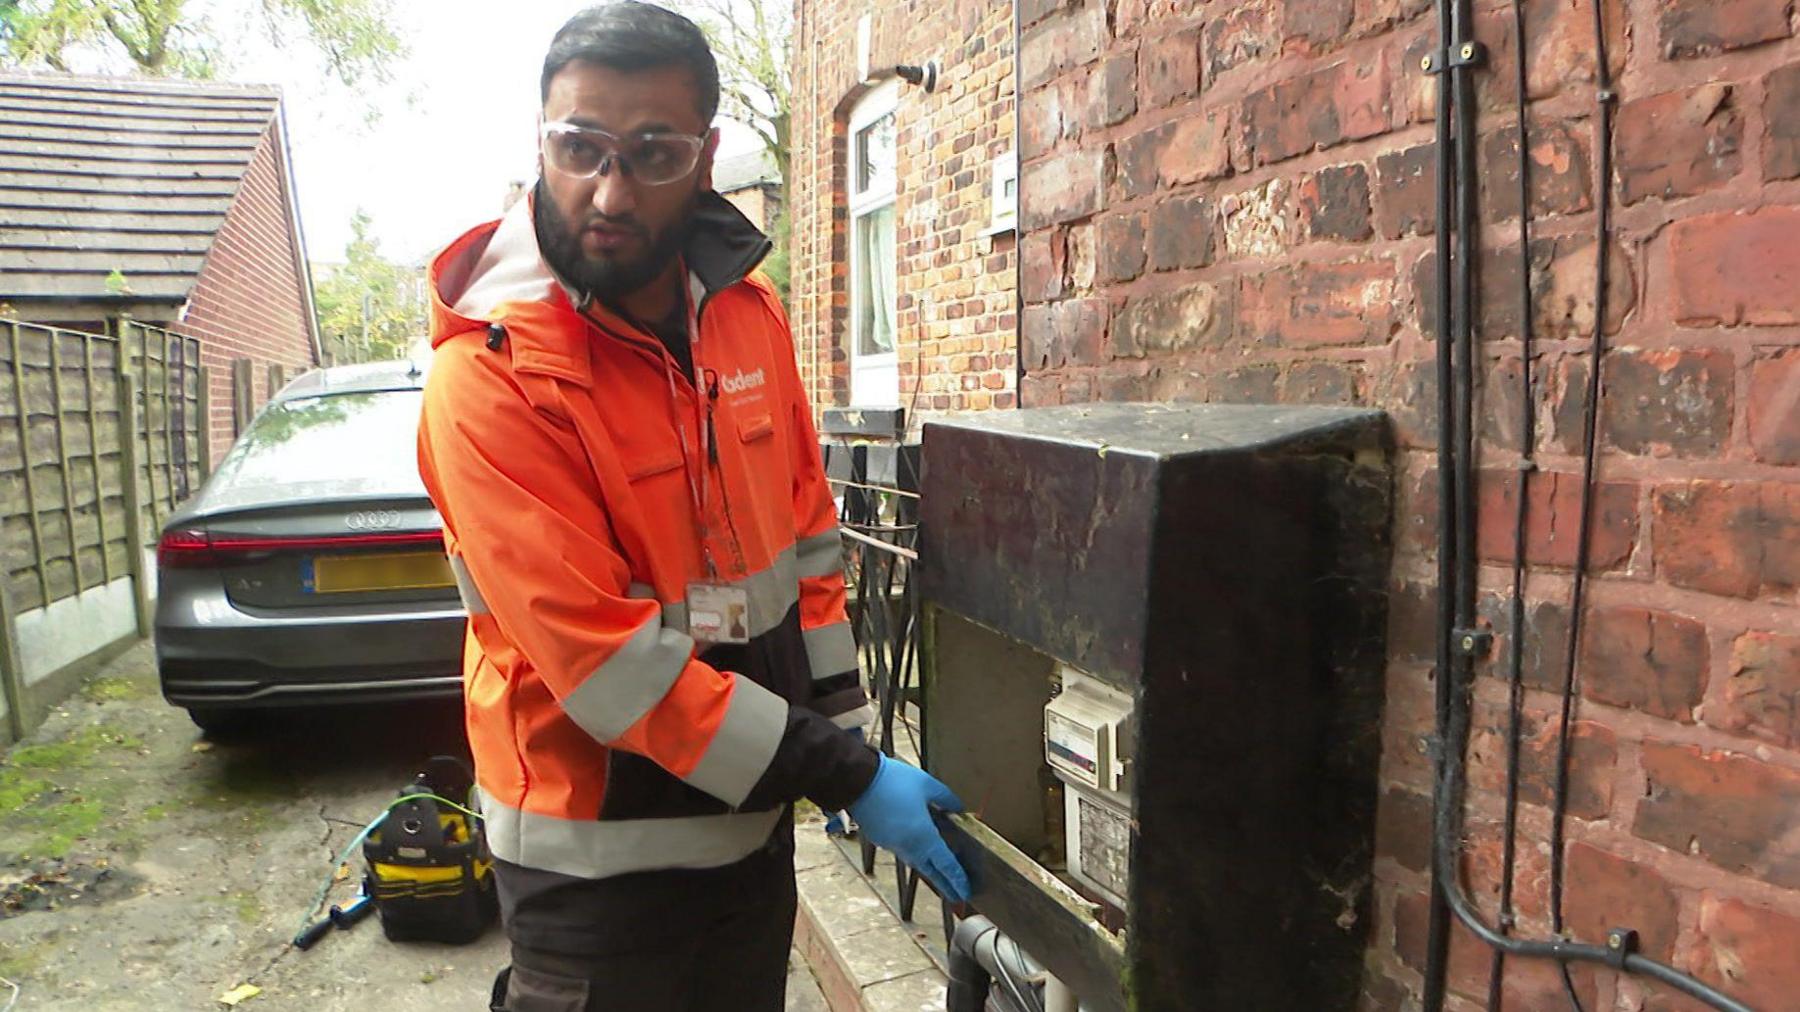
495,273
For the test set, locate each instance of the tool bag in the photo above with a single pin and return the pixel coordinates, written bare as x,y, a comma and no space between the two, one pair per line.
429,870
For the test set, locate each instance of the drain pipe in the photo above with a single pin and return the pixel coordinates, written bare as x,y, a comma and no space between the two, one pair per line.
980,955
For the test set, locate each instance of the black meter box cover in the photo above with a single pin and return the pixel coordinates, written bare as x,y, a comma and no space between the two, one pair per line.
1226,565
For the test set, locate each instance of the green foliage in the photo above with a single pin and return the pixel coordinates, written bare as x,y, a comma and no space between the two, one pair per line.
166,38
776,265
391,293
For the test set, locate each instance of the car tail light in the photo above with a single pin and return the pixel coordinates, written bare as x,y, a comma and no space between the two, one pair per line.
181,549
184,550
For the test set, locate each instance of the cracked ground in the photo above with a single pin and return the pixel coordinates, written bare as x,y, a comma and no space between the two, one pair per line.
144,867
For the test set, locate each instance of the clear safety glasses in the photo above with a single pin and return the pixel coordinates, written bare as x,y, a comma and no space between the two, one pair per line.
651,159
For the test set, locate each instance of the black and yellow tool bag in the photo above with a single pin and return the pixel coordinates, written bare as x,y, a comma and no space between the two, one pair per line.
429,869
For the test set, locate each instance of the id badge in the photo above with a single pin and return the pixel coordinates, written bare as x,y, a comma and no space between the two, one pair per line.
718,614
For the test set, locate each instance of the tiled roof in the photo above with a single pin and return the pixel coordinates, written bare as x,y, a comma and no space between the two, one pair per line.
103,174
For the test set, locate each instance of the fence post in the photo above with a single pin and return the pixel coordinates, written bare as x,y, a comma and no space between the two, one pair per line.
31,503
243,394
203,428
134,501
12,676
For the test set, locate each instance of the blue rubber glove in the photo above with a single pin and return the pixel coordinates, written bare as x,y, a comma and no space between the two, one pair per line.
834,821
895,814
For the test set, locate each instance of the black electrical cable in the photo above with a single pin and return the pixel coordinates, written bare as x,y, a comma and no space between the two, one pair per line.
1590,430
1456,571
1515,667
1437,944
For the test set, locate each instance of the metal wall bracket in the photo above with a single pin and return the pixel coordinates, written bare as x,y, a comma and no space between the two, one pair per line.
1467,54
1471,642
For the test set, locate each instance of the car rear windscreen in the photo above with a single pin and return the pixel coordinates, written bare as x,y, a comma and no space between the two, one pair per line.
350,438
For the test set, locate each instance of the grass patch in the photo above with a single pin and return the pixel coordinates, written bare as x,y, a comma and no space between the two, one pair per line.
114,690
19,963
45,805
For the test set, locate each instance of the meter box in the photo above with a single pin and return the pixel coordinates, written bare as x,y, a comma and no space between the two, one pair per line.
1152,654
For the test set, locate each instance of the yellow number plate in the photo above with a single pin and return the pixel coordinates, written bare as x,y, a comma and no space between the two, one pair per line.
342,574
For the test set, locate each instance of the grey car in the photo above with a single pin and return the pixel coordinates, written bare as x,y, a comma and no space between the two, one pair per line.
310,567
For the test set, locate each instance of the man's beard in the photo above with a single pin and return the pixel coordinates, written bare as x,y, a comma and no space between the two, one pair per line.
605,278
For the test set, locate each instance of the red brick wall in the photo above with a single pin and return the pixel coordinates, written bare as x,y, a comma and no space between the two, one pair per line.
758,203
957,341
1233,201
250,300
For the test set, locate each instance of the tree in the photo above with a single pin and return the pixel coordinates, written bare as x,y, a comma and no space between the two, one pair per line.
752,41
369,307
167,38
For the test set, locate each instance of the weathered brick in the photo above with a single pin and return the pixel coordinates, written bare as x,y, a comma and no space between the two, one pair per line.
1121,249
1747,951
1041,122
1669,401
1168,69
1562,291
1043,265
1403,828
1061,189
1198,148
1033,11
1241,33
1680,143
1559,171
1257,223
1250,384
1197,316
1546,632
1775,407
1320,382
1183,233
1316,110
1333,203
1484,862
1112,92
1737,268
1702,27
1406,191
1606,891
1323,304
1736,538
1645,660
1554,514
1080,326
1320,22
1065,40
1781,123
1762,697
1137,159
1735,811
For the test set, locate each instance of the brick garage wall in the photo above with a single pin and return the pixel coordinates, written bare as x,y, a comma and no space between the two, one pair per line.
250,300
955,292
1233,201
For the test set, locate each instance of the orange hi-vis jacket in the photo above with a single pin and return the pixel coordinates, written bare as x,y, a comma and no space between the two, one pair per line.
569,454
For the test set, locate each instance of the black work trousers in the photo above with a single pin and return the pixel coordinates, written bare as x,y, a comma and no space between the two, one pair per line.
709,940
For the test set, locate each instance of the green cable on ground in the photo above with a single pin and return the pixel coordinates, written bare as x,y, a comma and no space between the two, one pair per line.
363,834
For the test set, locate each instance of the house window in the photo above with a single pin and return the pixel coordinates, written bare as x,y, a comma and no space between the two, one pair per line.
874,367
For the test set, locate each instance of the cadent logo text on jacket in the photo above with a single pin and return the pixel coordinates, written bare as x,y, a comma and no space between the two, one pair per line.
741,381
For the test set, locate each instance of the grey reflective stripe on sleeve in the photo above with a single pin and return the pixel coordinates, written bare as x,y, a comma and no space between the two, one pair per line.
619,692
465,587
858,717
744,744
589,848
821,554
830,649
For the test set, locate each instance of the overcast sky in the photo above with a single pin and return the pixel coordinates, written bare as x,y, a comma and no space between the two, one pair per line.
456,124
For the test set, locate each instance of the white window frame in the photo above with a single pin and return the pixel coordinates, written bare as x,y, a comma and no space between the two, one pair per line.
874,379
1003,214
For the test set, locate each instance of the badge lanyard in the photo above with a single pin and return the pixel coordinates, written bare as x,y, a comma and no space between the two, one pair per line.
697,487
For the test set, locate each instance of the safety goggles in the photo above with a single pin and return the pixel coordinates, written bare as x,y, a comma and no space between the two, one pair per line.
651,159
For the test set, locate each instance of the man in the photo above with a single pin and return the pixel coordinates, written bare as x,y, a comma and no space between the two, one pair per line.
615,434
